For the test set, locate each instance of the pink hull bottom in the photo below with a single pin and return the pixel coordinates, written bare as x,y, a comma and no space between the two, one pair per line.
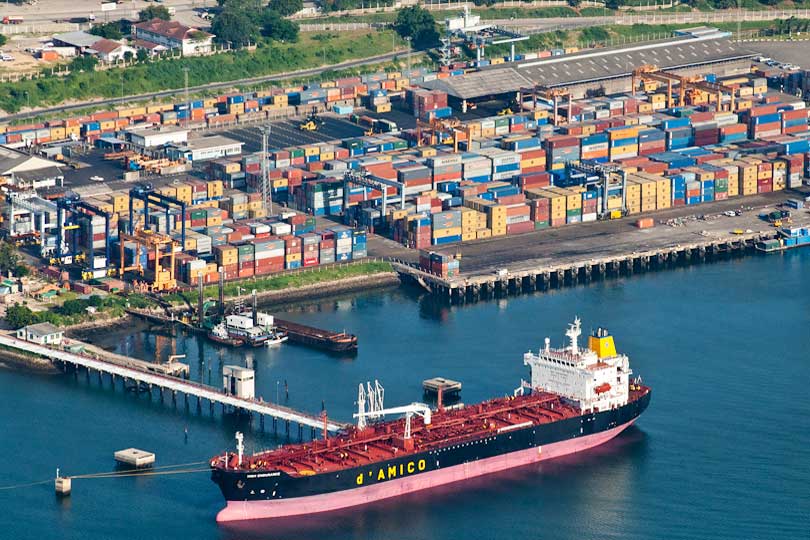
244,510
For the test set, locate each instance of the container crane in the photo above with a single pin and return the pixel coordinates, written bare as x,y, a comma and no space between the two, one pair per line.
549,94
163,247
146,192
69,210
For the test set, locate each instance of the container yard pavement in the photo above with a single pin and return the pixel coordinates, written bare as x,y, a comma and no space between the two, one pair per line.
792,52
287,133
583,241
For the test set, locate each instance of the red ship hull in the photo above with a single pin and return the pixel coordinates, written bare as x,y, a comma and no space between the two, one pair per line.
278,508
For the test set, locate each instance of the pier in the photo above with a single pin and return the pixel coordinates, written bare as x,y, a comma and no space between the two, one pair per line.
581,253
188,389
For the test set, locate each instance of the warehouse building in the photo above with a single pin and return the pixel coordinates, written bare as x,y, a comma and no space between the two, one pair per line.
206,148
24,170
608,70
152,137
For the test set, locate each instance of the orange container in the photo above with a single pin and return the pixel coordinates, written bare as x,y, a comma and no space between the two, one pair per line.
645,223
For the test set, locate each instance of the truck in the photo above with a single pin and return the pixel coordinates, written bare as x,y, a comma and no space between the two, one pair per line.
12,19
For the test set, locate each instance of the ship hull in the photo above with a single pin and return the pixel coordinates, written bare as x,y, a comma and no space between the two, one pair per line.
271,495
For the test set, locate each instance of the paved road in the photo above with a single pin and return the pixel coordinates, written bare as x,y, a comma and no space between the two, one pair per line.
210,86
53,10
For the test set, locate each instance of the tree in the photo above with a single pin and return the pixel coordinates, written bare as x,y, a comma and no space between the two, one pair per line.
128,56
9,258
154,12
417,24
277,27
142,55
18,316
574,3
238,23
286,7
83,63
110,30
613,4
3,40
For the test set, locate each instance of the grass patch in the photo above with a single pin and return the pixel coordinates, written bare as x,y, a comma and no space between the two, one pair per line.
285,281
312,50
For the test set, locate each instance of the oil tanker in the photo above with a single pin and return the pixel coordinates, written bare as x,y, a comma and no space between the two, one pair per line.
578,398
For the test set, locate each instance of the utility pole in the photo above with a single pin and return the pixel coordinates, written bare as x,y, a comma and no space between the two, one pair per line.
188,103
267,197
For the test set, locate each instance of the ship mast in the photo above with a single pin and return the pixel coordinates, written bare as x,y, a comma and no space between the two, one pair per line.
573,332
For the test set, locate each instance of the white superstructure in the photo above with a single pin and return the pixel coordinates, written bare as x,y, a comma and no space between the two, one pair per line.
595,378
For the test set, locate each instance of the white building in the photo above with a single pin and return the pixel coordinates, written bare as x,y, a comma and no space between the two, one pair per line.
151,137
111,51
239,381
41,334
173,35
204,148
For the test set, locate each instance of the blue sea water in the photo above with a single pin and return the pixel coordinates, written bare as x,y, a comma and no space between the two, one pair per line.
723,452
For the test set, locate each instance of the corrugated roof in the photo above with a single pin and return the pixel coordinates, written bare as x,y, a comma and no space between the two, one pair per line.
591,65
481,83
77,39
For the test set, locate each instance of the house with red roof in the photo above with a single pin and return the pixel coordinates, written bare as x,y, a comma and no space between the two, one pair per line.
173,35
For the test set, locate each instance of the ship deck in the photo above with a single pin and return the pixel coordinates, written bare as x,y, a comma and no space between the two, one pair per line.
385,440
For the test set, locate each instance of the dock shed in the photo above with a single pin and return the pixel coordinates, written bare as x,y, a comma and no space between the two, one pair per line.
701,50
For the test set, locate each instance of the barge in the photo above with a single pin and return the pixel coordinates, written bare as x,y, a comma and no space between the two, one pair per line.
340,342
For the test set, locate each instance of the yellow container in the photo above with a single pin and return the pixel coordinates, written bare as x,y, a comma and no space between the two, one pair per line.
120,202
483,233
444,233
184,192
215,188
57,133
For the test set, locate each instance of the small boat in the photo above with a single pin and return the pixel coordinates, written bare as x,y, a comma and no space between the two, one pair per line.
276,338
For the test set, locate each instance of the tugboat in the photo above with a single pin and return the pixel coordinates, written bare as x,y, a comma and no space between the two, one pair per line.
219,334
244,329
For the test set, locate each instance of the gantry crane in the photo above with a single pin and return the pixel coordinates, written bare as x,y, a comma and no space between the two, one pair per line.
649,72
146,192
653,73
550,94
163,247
69,210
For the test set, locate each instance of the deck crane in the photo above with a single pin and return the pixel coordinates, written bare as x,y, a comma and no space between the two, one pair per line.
374,396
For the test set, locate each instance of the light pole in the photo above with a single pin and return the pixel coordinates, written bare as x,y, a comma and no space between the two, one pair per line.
408,39
28,100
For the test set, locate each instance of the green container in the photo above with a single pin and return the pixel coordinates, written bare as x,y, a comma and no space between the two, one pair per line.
296,152
500,122
540,225
576,212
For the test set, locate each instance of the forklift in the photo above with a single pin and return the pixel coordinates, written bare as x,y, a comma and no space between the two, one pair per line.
312,122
